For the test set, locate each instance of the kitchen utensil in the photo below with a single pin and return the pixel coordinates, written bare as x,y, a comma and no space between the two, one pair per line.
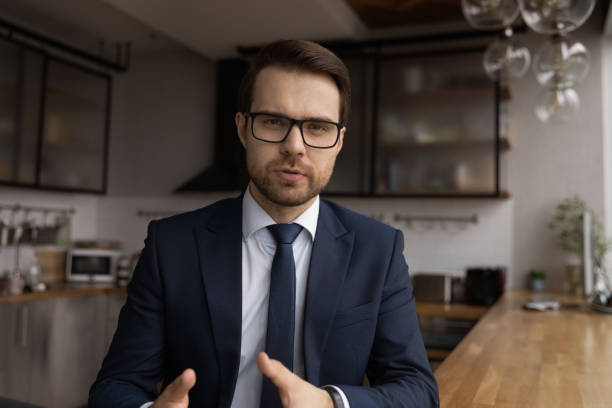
33,279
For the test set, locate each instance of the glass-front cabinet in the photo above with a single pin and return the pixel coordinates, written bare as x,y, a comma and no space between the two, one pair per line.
436,126
424,123
54,121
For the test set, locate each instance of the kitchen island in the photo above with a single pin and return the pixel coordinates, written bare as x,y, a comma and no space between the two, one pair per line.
519,358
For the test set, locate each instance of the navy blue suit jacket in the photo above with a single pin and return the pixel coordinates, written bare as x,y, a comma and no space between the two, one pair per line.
184,310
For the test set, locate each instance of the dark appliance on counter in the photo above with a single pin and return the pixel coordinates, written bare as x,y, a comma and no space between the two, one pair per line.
484,285
432,287
438,287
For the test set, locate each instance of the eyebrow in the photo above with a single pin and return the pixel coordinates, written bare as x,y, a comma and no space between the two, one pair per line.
323,118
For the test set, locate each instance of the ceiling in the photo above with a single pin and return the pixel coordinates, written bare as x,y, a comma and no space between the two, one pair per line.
82,23
216,28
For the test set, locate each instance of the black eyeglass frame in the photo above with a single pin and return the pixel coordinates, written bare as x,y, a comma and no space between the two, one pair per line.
298,122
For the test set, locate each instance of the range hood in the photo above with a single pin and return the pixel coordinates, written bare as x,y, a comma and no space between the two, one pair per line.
228,171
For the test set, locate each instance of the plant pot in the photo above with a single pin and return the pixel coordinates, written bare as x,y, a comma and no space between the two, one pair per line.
537,284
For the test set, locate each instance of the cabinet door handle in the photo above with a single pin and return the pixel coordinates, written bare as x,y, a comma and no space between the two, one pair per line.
21,338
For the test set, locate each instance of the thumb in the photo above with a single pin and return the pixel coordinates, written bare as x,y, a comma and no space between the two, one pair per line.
274,370
178,389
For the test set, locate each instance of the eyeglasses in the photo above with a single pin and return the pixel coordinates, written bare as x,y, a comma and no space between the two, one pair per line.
317,133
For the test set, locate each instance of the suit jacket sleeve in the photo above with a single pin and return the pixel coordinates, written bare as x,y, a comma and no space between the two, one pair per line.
398,369
135,361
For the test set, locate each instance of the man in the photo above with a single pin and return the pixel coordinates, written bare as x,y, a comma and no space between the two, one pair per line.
228,312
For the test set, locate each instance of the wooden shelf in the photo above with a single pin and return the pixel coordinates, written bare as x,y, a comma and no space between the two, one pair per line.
437,93
443,194
442,145
63,290
504,144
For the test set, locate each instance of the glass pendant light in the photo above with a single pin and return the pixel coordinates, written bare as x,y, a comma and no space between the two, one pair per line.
506,57
555,16
490,14
557,105
561,62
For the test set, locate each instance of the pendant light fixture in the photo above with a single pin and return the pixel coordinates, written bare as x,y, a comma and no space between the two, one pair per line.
558,65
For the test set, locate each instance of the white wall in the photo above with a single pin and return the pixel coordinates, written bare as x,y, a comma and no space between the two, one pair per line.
162,122
549,162
607,131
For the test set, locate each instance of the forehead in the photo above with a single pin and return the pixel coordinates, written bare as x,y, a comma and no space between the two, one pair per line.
296,93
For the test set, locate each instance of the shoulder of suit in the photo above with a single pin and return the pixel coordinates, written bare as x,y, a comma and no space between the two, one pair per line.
354,221
200,216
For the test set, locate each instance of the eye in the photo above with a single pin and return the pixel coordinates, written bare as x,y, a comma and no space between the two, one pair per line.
318,127
274,122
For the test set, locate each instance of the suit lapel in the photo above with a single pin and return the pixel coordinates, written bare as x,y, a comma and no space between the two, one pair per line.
331,253
220,257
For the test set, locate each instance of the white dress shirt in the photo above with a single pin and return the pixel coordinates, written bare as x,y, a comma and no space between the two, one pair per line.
258,248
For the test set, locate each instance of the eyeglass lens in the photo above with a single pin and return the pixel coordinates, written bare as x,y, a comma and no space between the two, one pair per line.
272,128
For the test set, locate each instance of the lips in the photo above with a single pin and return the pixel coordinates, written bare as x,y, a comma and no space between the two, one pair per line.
290,174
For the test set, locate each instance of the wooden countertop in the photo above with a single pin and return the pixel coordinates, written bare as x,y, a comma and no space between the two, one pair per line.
519,358
63,290
450,310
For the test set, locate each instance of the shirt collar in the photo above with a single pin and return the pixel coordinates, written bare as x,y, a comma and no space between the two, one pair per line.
255,218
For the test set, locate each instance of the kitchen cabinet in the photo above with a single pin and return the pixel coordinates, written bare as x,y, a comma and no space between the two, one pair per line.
5,339
53,348
55,118
20,96
425,122
436,128
352,173
75,348
25,342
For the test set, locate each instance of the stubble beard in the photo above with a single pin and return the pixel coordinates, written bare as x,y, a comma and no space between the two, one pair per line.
287,193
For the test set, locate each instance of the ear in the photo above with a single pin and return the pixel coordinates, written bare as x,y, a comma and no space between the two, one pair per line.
241,127
340,140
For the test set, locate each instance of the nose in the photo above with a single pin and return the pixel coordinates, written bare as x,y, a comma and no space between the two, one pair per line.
293,143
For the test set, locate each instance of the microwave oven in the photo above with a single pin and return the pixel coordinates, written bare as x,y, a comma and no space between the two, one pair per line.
92,265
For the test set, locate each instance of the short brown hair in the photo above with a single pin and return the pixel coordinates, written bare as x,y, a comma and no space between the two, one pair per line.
302,55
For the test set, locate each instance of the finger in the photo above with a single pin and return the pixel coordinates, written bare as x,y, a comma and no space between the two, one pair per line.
178,389
274,370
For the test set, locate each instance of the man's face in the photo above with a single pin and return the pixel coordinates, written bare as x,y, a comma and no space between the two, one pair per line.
290,173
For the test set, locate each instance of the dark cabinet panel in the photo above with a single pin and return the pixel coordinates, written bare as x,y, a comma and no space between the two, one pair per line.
51,350
20,96
351,173
54,121
74,132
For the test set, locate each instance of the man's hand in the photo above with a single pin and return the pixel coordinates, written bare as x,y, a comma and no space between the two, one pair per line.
175,395
294,392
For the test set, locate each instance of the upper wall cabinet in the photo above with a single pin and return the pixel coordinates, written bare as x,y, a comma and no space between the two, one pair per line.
54,122
436,126
424,123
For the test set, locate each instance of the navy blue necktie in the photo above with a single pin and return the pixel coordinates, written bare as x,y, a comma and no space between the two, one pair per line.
281,309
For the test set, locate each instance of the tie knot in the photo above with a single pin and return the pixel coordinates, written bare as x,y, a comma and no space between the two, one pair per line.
285,233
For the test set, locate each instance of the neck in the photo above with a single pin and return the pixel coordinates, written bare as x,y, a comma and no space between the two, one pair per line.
281,214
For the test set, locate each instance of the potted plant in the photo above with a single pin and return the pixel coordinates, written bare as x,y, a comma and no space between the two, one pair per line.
537,278
568,223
